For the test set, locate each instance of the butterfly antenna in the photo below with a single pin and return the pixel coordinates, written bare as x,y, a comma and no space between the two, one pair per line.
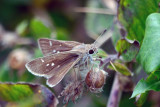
100,36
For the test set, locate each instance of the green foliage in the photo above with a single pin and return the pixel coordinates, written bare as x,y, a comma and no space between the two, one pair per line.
127,49
64,25
142,98
125,102
26,95
133,13
121,68
102,53
8,75
144,86
21,28
39,30
98,102
131,53
4,73
149,53
62,34
122,45
38,53
148,57
151,83
14,92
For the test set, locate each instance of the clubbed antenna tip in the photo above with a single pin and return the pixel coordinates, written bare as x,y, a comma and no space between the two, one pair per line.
105,30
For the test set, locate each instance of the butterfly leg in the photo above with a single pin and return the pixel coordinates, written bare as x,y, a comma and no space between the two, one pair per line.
75,72
89,63
86,63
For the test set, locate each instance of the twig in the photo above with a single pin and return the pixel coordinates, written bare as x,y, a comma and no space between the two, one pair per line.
116,92
106,61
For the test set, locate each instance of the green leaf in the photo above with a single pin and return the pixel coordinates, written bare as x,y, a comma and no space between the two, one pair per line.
39,29
149,56
37,53
141,99
151,83
14,92
133,13
26,95
144,86
127,49
122,45
131,52
21,28
121,68
62,34
149,53
102,53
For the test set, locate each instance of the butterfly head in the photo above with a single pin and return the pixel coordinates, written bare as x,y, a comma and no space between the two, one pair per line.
92,49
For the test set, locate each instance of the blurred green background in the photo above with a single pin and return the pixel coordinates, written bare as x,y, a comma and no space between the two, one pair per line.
22,22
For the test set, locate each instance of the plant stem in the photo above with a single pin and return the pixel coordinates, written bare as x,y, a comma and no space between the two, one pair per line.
116,92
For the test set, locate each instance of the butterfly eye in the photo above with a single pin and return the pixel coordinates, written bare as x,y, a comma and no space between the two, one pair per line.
91,51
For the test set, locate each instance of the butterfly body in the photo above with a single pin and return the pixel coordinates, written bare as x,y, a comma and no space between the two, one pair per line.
84,51
59,58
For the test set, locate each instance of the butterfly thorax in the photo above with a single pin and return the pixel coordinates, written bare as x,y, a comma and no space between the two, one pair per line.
85,49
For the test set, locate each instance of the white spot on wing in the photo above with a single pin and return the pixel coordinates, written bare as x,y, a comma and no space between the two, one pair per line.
58,66
54,51
50,43
52,64
58,52
42,60
47,64
60,45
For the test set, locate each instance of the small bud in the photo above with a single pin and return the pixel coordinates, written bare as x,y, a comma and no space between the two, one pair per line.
95,80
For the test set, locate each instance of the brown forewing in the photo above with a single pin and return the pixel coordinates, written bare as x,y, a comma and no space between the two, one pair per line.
56,65
58,76
50,46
